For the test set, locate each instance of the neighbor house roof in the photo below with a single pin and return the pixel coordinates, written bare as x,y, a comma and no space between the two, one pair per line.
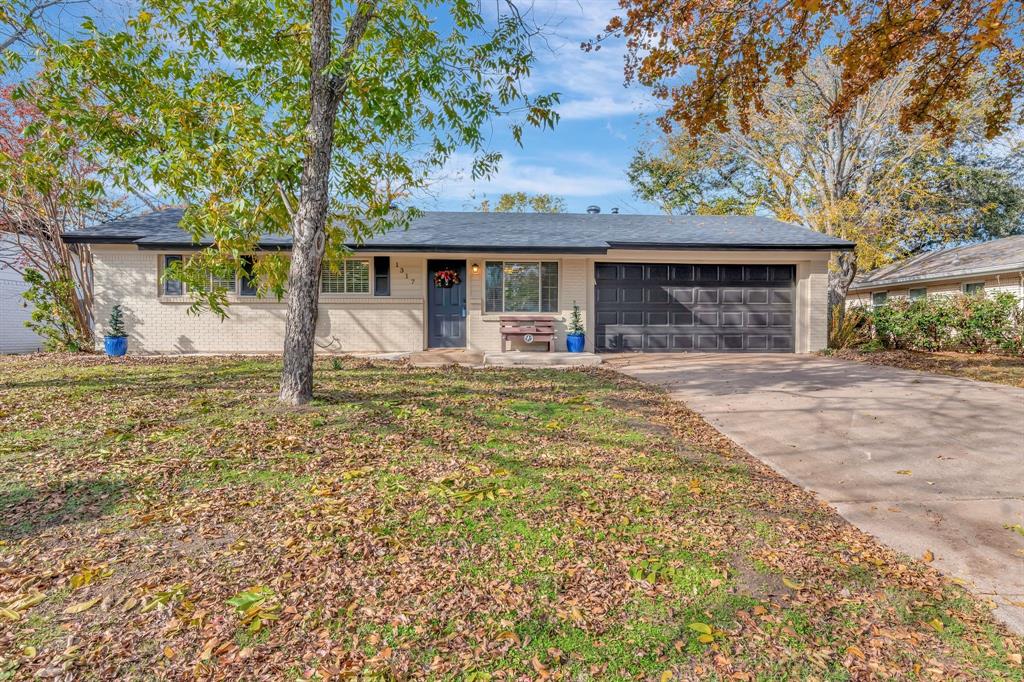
511,232
997,256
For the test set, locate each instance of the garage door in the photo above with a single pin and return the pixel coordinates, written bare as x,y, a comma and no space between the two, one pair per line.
656,307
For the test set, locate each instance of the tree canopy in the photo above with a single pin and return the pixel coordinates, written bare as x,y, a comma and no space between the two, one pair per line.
314,118
209,102
859,176
709,57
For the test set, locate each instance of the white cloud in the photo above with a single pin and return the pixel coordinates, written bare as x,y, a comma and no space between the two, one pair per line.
591,83
604,106
516,174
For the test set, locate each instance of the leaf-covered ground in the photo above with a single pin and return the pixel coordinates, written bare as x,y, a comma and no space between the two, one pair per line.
166,518
997,369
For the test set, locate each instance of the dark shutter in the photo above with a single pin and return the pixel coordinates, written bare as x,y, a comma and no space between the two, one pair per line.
249,286
172,287
381,275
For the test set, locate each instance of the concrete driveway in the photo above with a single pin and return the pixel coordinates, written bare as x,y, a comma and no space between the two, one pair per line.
921,461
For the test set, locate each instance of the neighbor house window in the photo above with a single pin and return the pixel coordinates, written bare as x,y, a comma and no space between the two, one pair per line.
878,298
918,294
346,277
172,287
521,287
974,288
248,284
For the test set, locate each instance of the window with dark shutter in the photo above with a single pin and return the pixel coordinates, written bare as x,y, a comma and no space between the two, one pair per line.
248,286
172,287
381,275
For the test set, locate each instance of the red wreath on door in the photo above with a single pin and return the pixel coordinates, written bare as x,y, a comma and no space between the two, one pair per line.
446,278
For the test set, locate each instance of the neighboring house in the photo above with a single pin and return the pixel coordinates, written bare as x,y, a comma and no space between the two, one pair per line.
644,283
988,267
15,337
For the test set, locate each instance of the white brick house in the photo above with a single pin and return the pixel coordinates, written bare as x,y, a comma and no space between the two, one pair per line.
643,283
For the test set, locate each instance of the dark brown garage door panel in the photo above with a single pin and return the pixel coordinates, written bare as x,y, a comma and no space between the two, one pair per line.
679,307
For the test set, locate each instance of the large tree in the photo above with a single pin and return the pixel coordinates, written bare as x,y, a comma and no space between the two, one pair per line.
47,188
709,57
859,176
310,118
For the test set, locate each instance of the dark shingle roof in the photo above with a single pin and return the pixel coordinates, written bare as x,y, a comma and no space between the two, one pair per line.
999,255
530,232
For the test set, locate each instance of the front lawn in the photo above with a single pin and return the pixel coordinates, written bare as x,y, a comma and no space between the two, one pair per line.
168,519
998,369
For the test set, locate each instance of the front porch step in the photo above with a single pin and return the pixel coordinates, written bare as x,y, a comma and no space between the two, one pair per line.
526,359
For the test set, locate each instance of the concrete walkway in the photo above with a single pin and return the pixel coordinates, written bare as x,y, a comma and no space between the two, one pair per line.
443,357
921,461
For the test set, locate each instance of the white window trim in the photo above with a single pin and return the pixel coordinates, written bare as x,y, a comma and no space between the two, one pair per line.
342,265
875,293
540,292
963,286
910,292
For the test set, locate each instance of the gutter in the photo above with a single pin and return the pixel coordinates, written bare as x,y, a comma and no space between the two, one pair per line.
705,246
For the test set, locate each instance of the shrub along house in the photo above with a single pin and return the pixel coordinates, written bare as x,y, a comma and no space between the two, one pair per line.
989,267
643,283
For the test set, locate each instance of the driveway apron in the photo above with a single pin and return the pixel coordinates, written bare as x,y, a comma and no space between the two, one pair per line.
923,462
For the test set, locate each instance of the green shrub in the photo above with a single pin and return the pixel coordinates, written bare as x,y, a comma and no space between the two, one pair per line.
116,325
53,316
930,323
892,323
973,323
983,322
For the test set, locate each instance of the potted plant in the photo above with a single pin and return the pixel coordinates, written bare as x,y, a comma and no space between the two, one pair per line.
115,344
575,339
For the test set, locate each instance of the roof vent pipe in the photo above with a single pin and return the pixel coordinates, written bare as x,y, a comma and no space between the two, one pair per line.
615,210
593,209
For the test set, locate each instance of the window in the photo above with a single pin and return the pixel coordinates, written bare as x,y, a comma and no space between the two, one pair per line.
248,284
381,275
521,287
974,288
918,294
220,282
346,277
878,298
172,287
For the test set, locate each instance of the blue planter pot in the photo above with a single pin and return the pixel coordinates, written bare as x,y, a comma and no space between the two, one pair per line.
115,346
575,342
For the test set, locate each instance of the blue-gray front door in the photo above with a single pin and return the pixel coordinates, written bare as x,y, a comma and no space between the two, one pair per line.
446,307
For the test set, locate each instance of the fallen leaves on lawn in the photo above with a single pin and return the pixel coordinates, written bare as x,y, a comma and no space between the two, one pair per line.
83,605
430,524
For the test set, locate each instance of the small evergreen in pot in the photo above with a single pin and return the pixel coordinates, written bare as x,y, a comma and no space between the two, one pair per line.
576,338
115,343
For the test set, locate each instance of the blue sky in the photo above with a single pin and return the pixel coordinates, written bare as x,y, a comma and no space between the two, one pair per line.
584,158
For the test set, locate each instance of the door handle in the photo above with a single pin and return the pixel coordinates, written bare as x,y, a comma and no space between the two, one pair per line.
463,312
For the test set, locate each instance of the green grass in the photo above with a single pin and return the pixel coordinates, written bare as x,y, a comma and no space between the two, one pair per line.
434,524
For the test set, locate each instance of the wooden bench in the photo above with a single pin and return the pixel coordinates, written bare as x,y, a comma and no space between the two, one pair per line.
521,326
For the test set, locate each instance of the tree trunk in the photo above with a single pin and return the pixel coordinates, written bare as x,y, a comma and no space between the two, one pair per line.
309,230
840,276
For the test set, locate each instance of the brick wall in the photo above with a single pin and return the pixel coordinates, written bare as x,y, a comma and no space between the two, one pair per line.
345,323
355,323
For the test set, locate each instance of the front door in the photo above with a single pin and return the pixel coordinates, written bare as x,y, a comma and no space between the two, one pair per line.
446,306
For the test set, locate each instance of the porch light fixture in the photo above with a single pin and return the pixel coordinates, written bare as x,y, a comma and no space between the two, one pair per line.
476,268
